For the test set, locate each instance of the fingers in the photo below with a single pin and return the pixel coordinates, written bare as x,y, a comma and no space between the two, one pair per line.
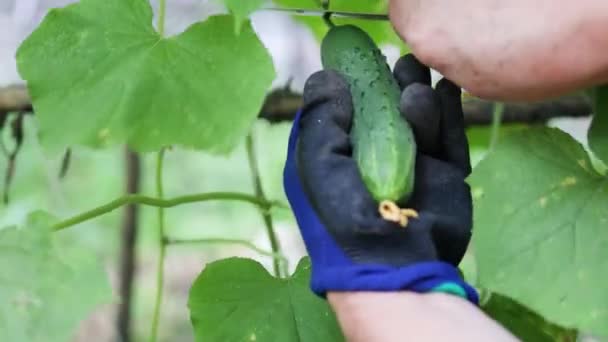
326,94
421,108
419,104
453,137
409,70
452,235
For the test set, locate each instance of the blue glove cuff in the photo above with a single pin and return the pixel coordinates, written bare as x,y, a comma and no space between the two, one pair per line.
421,277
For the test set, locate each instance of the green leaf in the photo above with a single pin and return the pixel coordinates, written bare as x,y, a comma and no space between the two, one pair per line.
524,323
100,75
45,291
598,132
237,300
241,9
480,137
541,227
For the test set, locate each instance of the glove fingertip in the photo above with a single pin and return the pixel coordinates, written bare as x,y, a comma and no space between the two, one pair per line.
409,70
447,87
327,98
421,108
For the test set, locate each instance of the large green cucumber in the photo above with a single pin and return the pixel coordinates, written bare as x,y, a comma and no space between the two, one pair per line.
383,141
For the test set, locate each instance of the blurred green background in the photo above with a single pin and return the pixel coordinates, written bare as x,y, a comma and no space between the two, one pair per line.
96,177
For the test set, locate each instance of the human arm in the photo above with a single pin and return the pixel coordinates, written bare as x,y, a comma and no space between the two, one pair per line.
352,249
399,316
509,50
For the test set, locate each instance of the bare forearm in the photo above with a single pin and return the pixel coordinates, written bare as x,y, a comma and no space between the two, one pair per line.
510,50
406,316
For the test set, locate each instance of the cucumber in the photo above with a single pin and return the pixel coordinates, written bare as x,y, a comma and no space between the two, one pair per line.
382,140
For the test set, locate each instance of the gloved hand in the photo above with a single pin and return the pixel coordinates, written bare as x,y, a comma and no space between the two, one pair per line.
351,247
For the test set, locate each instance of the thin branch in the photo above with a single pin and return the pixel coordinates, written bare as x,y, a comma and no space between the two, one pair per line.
282,105
127,251
244,243
16,127
480,112
164,203
15,98
266,216
65,163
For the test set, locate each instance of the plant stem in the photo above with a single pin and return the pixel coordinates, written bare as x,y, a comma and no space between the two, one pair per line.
163,203
327,15
266,216
243,243
160,272
499,109
335,14
161,17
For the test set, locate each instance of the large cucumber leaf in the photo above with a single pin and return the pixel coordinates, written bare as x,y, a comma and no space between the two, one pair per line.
238,300
541,227
99,74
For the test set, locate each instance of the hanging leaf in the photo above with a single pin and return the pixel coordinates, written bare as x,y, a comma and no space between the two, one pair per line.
100,75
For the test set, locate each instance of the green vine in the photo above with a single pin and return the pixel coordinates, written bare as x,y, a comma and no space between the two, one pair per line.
165,203
161,17
240,242
280,269
160,269
499,109
331,13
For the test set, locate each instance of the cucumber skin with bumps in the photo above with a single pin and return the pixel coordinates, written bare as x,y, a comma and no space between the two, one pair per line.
383,142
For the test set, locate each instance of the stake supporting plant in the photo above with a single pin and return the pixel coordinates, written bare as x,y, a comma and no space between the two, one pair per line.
280,268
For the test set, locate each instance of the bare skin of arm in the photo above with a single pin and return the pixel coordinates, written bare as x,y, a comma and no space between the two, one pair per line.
406,316
509,50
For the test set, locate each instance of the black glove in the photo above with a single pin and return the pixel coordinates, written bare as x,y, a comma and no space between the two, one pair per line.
332,184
